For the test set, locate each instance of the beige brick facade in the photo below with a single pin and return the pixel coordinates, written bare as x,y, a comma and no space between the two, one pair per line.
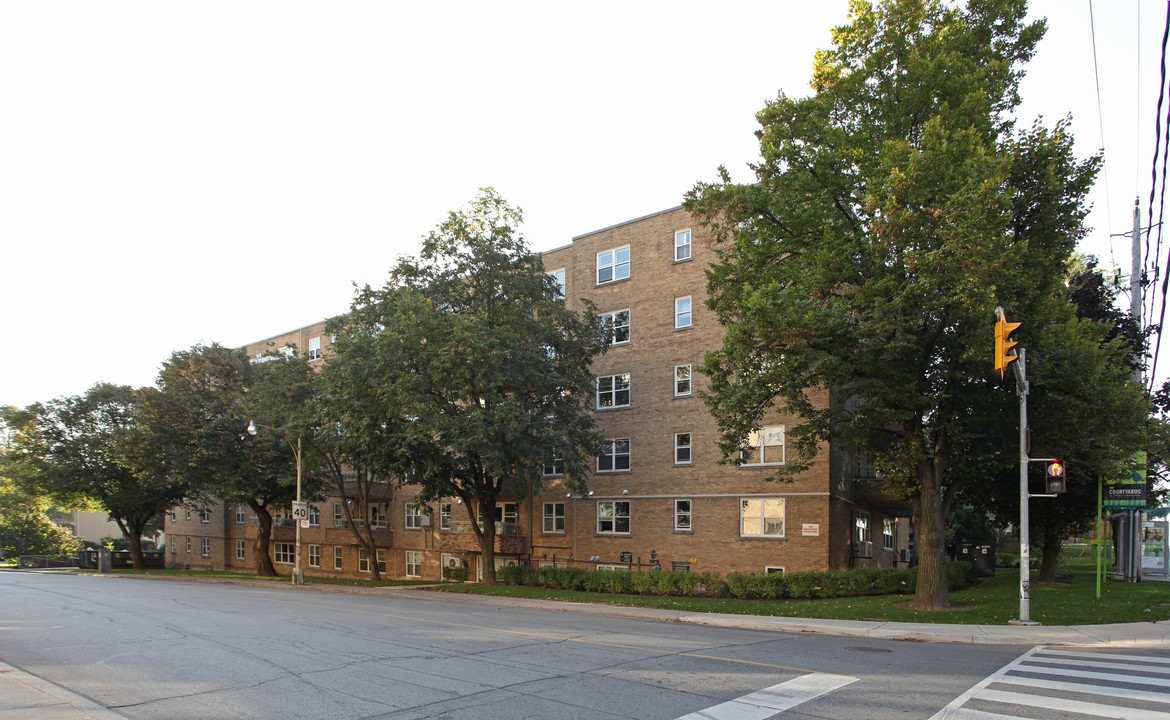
685,507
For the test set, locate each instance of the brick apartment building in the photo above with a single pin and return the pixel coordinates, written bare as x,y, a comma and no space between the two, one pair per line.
657,496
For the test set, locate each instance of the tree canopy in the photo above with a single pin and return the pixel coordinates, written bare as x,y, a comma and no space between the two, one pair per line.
892,211
466,373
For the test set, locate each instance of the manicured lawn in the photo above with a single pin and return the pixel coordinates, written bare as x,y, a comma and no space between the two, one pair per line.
994,601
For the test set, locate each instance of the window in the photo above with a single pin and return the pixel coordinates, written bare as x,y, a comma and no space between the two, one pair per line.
413,563
682,515
188,544
619,324
205,547
559,276
363,560
555,467
615,455
761,517
378,516
241,550
337,514
240,514
172,545
381,556
554,517
887,534
682,380
315,556
314,516
413,517
445,516
186,513
764,446
613,265
283,552
172,514
613,516
773,568
337,558
315,348
682,313
861,536
613,391
682,245
682,448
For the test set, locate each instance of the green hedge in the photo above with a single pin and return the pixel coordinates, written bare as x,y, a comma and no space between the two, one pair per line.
755,586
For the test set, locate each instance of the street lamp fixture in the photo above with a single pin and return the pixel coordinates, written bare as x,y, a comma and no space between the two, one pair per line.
298,577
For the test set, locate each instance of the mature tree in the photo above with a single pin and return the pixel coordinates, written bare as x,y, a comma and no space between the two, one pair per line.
479,373
194,429
26,519
77,449
893,210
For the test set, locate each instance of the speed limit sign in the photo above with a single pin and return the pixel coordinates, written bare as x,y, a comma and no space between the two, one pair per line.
300,510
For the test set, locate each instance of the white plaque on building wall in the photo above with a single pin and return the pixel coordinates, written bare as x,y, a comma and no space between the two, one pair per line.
810,529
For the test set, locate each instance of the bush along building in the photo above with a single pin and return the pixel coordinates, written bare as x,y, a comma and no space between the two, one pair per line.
658,494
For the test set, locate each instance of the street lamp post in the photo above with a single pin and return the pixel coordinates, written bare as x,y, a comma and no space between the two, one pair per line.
298,577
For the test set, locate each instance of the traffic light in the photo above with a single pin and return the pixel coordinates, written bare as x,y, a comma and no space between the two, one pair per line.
1003,343
1055,473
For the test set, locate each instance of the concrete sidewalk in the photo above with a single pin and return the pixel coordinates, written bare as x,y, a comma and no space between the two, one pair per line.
27,697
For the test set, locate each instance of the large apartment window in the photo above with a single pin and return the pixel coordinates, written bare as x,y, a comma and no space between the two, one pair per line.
613,517
682,515
337,564
283,552
619,326
204,515
241,550
413,517
613,265
764,446
861,533
682,448
615,455
338,515
363,560
682,245
761,517
682,380
315,348
682,313
887,534
559,277
554,467
554,517
445,516
314,556
413,563
240,514
205,547
613,391
380,555
188,544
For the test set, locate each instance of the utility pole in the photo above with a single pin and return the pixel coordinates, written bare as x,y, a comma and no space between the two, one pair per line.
1133,552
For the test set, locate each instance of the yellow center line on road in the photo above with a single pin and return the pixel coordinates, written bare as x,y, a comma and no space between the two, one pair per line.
543,636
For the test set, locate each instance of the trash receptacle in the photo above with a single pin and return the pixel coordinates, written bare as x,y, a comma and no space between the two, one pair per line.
105,560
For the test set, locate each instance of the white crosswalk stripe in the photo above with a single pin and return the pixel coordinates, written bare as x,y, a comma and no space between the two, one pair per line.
776,699
1092,685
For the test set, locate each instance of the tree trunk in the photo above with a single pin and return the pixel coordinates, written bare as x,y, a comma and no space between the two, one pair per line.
929,526
1050,546
487,538
264,564
132,531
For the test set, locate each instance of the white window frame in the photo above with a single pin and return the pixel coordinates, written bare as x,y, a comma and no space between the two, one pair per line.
413,517
613,265
338,514
188,543
553,518
683,515
241,550
204,516
619,321
683,448
862,532
758,441
413,563
173,546
612,515
445,515
682,313
773,568
555,468
314,556
755,514
314,516
683,381
283,553
888,532
363,560
682,241
338,563
315,348
380,558
613,390
205,547
241,516
615,455
559,276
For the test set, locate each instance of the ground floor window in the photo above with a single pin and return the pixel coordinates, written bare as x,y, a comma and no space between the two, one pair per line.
205,547
315,556
381,556
613,516
887,534
413,563
283,552
241,549
363,560
337,558
188,544
761,517
773,569
554,517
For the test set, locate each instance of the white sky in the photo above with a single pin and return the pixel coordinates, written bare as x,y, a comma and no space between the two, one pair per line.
174,173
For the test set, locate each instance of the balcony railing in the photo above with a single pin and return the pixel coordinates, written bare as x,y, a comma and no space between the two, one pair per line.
502,528
345,524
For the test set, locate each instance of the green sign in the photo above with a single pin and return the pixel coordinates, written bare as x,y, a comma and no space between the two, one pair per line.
1128,494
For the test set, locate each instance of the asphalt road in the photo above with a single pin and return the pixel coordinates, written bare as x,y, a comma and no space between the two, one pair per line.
179,650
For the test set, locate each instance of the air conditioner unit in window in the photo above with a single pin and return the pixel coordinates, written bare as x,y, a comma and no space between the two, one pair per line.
426,521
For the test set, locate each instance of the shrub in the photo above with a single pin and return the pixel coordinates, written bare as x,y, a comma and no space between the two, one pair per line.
455,574
804,584
745,586
712,584
643,581
512,574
